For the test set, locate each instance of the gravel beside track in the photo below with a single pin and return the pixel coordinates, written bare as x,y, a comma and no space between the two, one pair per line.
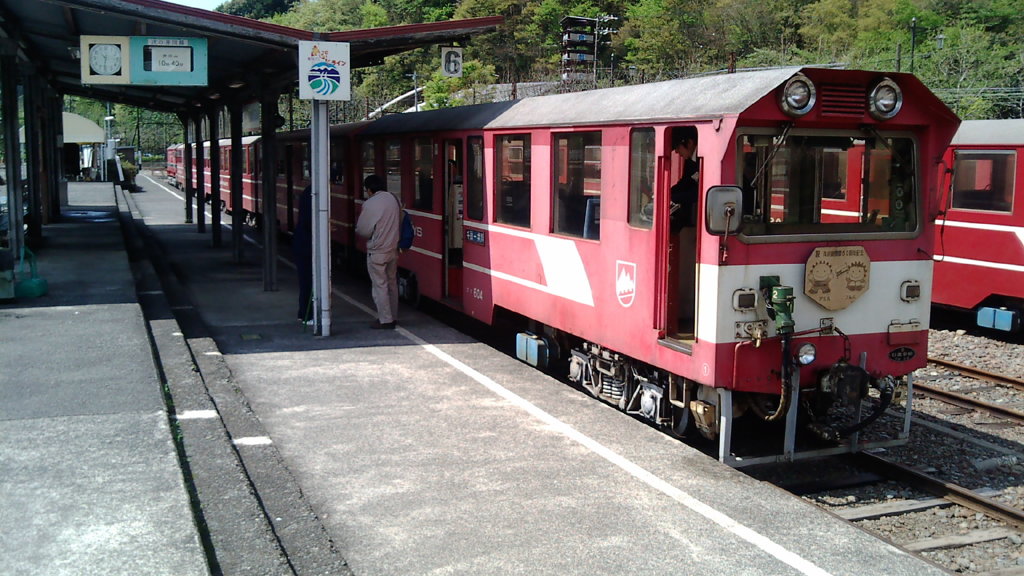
957,445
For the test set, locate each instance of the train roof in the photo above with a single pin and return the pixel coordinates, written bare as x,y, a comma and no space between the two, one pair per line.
689,98
990,132
472,117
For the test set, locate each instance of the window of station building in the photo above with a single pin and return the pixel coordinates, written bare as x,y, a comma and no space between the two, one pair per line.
984,179
475,183
641,178
512,155
576,205
393,166
423,196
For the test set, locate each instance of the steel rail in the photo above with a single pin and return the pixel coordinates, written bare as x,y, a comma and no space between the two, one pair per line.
979,373
952,492
970,403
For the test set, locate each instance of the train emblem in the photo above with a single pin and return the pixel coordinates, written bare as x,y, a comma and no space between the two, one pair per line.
625,282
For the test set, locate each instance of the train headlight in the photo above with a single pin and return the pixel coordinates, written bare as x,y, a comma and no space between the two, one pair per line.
886,100
806,354
798,96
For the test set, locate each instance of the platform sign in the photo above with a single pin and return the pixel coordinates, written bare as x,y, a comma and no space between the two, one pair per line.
451,62
324,70
168,61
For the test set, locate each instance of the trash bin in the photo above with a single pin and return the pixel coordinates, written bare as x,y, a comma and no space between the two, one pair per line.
6,274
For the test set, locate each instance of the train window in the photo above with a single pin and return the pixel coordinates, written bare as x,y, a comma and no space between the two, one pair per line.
984,179
338,151
367,159
393,166
304,150
423,198
827,184
512,165
576,209
641,178
475,184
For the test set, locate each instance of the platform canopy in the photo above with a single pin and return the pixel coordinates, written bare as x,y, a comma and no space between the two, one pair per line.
81,130
246,56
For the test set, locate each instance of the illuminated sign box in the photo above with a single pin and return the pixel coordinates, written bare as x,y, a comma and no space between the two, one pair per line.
164,61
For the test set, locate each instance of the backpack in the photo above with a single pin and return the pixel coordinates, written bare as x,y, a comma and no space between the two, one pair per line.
408,233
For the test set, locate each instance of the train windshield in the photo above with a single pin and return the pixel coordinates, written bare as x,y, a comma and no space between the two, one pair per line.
812,183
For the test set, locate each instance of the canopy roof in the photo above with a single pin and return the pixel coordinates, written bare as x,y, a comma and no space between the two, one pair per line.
81,130
245,56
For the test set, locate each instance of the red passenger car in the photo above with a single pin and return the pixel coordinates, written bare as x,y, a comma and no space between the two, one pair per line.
979,250
803,288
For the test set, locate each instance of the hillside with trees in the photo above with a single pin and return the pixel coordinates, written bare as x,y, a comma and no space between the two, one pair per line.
969,52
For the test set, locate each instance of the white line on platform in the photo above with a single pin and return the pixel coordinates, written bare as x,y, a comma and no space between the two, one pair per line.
763,542
253,441
197,414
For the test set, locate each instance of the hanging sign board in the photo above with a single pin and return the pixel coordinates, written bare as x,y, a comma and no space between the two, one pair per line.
164,61
451,62
142,60
324,69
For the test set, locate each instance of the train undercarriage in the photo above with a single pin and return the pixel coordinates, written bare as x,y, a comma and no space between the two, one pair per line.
825,418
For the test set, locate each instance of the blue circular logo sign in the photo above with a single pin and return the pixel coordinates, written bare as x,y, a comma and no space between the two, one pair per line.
324,78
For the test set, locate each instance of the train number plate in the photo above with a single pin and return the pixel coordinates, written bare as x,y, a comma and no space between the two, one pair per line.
901,354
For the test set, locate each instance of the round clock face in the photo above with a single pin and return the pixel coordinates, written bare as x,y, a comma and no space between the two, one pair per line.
105,59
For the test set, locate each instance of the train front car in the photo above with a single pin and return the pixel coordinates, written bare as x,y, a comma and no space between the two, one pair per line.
796,292
819,260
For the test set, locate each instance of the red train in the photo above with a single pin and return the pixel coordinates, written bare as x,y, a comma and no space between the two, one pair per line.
798,296
979,251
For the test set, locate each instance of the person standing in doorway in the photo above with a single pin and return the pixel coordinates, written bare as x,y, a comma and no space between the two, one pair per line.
380,224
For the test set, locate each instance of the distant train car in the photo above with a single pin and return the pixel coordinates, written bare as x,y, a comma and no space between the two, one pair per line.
797,293
175,158
979,249
251,177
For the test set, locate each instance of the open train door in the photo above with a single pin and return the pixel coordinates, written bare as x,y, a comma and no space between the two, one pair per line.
453,214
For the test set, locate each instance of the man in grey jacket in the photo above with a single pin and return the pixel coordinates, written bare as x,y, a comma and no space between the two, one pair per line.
380,223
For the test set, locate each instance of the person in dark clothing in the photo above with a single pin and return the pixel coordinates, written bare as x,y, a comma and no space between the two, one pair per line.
302,252
684,192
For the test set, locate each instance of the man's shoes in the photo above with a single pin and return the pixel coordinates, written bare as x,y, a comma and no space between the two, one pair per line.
377,325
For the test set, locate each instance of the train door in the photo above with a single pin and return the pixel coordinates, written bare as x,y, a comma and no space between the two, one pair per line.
682,177
453,214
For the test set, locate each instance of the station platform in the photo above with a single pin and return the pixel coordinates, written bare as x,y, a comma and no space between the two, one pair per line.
159,407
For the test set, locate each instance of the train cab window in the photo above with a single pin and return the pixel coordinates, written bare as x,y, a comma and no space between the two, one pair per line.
423,195
512,165
576,205
641,178
393,166
475,175
984,179
827,184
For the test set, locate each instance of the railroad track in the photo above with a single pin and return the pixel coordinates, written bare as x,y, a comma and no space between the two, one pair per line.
913,499
965,401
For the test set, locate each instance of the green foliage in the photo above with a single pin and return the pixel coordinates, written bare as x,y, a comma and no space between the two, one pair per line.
256,9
